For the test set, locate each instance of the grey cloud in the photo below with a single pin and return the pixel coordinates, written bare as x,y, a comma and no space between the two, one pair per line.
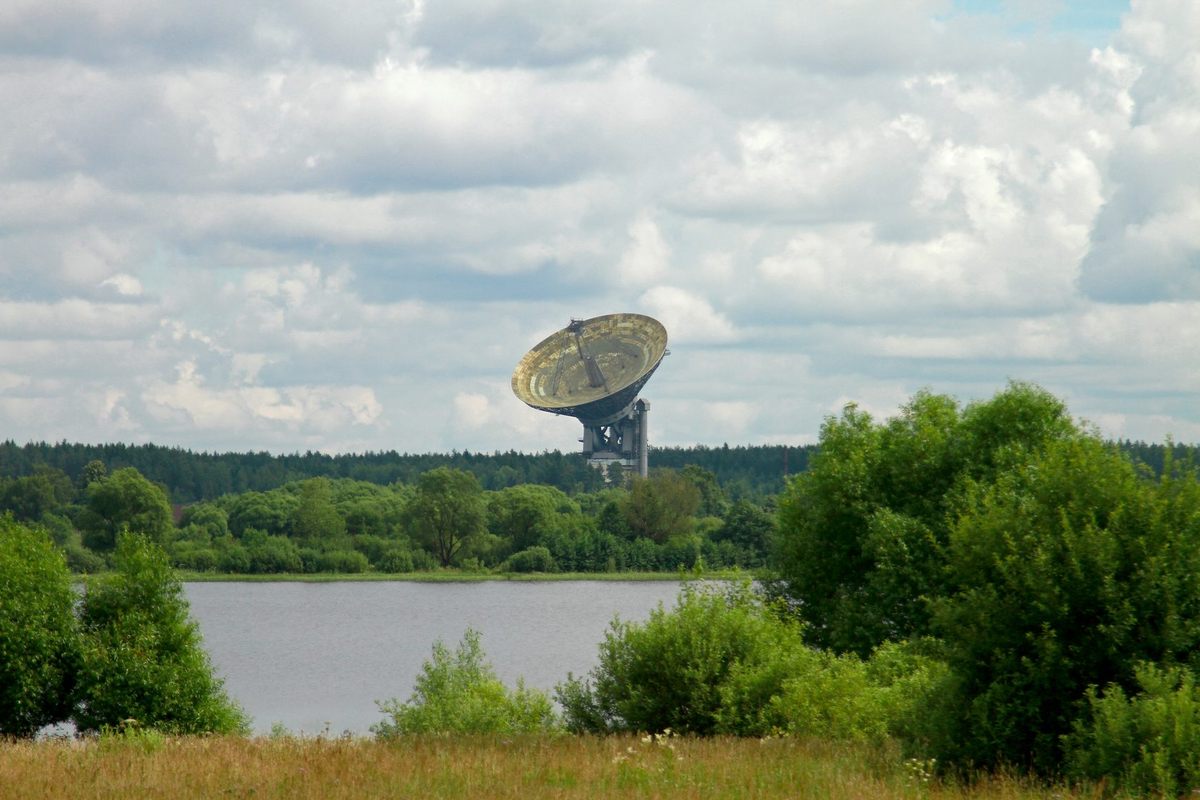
199,32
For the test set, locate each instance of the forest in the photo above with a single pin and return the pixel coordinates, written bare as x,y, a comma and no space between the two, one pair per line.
744,471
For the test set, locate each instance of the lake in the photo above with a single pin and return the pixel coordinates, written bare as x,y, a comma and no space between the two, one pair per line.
316,656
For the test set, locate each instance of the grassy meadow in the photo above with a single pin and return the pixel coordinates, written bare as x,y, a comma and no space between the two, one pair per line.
152,765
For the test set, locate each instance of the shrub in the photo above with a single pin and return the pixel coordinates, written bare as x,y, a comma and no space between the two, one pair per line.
275,554
423,561
233,558
395,559
1149,742
699,668
84,561
459,693
347,561
533,559
141,656
38,638
197,559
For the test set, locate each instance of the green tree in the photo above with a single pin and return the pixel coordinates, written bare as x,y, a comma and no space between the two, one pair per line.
446,512
316,517
38,637
124,501
269,511
747,526
524,515
93,472
713,502
210,517
1068,571
660,507
44,492
141,655
862,534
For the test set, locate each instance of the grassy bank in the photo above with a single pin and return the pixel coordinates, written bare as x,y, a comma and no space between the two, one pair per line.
450,576
452,767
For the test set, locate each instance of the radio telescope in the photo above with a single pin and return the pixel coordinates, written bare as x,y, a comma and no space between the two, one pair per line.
592,370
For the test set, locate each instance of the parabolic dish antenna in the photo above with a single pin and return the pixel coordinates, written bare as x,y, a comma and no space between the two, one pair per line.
592,370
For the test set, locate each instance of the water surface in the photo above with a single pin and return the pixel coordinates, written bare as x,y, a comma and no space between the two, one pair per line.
318,655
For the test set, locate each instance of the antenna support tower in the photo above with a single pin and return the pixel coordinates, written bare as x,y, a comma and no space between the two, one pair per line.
593,370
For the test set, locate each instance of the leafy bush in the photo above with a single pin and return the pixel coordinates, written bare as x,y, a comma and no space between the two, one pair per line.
84,561
395,559
1149,742
38,638
141,656
533,559
232,557
723,663
677,670
197,559
423,561
275,554
459,693
348,561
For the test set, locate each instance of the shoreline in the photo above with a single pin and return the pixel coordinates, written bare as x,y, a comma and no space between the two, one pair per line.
455,577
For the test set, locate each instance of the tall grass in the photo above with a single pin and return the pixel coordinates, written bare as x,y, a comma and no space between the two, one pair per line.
479,767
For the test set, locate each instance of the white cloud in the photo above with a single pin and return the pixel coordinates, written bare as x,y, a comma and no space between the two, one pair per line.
245,226
688,318
648,257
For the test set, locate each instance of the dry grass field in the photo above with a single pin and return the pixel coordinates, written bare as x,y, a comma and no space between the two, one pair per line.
491,767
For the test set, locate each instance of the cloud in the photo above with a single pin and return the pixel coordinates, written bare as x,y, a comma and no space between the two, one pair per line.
296,226
1145,244
688,318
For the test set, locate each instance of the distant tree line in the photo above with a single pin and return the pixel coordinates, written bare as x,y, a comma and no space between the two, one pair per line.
673,519
752,472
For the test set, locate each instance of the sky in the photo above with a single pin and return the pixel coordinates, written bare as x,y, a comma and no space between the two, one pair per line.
292,225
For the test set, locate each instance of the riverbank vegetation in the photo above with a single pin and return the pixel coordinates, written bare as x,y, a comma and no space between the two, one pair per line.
443,523
954,594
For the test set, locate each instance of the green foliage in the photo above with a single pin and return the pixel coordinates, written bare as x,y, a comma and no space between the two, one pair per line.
124,501
670,672
209,517
459,693
723,663
1070,571
395,560
747,527
446,512
345,561
275,554
526,515
270,512
82,561
534,559
38,639
1149,742
713,502
660,507
863,533
315,516
141,656
30,497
